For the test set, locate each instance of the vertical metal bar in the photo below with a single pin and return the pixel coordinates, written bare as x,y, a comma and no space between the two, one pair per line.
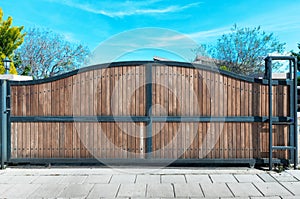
8,105
295,115
291,112
149,110
269,75
3,123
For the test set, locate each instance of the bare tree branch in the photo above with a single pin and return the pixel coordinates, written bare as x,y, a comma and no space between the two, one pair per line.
48,54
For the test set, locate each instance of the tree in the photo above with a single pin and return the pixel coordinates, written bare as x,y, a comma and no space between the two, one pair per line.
45,54
10,39
243,49
298,56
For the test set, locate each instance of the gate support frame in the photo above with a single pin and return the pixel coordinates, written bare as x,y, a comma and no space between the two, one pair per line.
3,122
293,132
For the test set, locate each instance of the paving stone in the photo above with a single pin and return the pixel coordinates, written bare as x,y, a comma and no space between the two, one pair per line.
243,189
198,179
48,180
173,179
73,179
122,179
22,179
266,177
216,190
104,191
248,178
222,178
48,191
236,198
132,190
148,179
270,197
295,173
284,177
188,190
207,198
294,187
177,198
20,191
98,179
145,198
4,187
291,197
272,189
160,190
76,191
4,179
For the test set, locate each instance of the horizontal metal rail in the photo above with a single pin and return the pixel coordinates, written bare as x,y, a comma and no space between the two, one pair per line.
245,119
136,161
149,64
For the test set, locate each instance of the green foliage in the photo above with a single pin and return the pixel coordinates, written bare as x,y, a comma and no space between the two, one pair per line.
243,49
298,57
10,39
45,53
224,68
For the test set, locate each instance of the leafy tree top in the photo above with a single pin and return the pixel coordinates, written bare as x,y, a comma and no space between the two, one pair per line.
297,55
10,39
243,49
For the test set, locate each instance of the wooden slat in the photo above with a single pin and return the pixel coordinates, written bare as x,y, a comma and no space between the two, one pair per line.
68,96
225,113
18,139
34,140
20,100
195,141
54,98
14,100
229,113
90,111
55,139
215,101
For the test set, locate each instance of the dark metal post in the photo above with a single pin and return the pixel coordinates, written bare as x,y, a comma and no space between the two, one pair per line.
149,110
269,76
3,123
295,115
291,112
8,123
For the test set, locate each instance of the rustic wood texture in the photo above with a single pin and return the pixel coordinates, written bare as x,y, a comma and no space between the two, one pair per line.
120,91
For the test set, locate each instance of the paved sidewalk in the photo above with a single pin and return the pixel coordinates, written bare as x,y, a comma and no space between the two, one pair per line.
148,183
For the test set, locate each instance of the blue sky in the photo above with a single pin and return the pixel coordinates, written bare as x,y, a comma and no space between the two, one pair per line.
95,22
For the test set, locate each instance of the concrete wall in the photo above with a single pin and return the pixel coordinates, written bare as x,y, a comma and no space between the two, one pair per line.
15,77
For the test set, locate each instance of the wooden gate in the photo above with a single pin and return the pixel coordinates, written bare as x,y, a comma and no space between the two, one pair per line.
151,112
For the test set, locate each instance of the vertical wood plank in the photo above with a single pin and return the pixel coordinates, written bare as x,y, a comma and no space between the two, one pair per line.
217,112
34,140
229,113
225,112
68,100
14,100
55,140
195,145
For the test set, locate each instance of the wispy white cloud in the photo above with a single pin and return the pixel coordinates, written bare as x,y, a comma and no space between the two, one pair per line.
127,8
196,36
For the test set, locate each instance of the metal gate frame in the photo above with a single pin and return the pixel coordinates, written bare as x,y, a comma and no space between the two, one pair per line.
6,119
